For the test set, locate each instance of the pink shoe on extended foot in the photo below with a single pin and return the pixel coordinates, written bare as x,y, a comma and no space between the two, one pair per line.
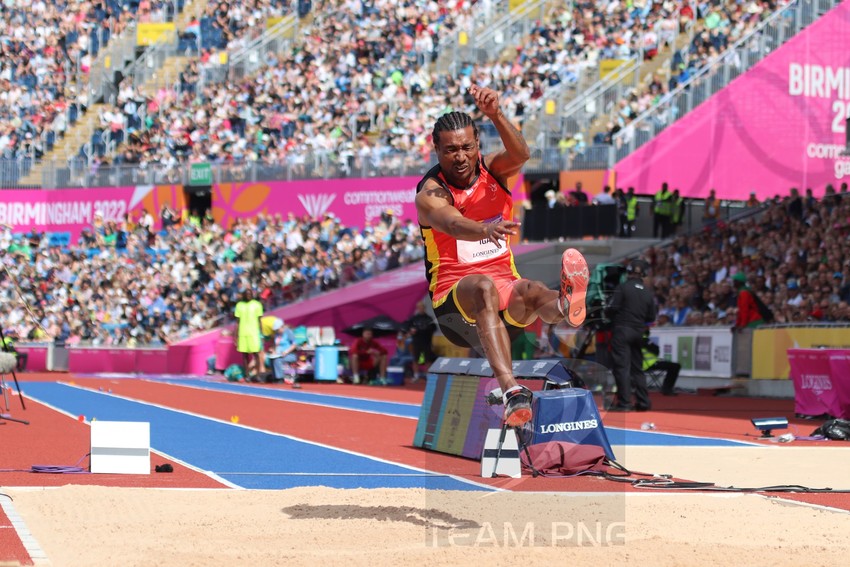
575,278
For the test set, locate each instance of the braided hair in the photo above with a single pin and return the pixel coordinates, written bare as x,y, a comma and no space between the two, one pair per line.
452,121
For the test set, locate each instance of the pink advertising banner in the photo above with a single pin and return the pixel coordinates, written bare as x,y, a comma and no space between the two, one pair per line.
355,201
36,356
120,360
821,381
62,210
779,125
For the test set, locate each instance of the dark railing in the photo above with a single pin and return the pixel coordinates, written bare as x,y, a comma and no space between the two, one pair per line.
562,222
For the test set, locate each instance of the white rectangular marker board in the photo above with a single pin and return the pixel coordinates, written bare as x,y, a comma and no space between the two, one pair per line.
121,447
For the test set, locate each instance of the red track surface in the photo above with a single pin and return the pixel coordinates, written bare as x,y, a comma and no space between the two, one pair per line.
53,438
11,548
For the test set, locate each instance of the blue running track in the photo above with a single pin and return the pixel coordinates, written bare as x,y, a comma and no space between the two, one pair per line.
616,435
245,457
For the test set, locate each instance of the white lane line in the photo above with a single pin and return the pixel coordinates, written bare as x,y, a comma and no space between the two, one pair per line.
259,394
278,434
38,556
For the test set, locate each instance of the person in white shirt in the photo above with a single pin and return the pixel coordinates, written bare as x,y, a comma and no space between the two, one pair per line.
604,198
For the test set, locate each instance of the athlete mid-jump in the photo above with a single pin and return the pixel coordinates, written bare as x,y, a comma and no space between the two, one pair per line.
465,212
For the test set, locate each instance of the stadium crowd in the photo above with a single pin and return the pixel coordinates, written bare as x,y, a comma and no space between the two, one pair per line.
130,284
47,51
360,102
713,26
368,97
793,253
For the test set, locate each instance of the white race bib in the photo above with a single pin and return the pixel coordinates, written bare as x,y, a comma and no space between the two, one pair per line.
478,251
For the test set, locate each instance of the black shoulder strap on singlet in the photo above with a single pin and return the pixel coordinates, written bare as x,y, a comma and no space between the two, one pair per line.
434,173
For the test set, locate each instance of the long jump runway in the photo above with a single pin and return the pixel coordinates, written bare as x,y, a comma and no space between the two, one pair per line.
268,437
242,455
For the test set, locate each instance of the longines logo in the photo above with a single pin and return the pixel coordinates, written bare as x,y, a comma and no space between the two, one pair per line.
569,426
317,205
816,382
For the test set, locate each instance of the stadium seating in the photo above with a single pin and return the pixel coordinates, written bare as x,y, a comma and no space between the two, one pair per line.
187,281
383,104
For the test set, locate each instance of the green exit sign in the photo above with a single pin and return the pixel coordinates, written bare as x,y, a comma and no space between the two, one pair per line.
200,174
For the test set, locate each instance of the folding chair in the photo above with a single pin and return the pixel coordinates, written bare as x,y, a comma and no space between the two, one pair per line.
654,378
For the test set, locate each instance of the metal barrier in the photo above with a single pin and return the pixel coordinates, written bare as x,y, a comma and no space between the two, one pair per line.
599,99
256,54
484,15
118,54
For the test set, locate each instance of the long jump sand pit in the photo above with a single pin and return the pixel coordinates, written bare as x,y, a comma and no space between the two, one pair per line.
90,525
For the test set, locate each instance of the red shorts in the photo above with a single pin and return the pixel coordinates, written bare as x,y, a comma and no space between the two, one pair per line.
504,286
459,328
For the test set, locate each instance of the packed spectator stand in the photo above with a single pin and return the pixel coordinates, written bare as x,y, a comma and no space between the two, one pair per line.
792,250
376,89
130,284
47,52
358,105
712,27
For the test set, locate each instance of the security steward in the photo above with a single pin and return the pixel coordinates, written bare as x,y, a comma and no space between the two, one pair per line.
631,310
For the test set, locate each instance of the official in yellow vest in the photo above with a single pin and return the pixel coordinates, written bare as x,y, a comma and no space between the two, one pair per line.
8,346
678,212
671,369
661,212
632,210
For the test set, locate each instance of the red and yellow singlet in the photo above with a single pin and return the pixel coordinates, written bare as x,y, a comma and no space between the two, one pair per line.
447,259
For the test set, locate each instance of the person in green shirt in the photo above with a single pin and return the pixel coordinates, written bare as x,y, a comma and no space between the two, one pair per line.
248,339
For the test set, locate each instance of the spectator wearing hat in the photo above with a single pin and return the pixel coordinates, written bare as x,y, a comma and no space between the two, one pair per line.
748,316
795,294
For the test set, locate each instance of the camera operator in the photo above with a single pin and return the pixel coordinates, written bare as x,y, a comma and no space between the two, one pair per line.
632,308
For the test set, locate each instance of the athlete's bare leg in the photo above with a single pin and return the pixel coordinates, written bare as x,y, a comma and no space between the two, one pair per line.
530,300
478,297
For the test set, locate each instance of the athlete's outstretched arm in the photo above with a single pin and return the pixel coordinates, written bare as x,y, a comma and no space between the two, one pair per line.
508,162
434,207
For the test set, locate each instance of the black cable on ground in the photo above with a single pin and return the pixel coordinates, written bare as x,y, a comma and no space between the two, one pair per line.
711,487
666,482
